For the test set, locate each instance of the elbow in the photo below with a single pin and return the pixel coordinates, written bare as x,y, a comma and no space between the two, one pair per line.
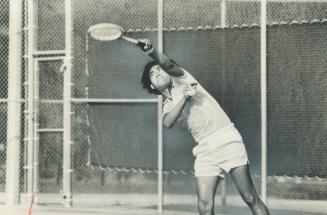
168,125
167,64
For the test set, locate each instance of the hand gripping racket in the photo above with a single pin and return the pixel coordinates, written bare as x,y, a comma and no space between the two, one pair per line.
109,32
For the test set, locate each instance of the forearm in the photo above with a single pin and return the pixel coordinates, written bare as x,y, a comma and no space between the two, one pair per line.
170,118
161,59
170,67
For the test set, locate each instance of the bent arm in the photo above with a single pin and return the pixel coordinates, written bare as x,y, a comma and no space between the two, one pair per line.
171,117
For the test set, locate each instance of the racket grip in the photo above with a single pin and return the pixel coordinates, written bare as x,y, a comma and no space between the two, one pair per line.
131,40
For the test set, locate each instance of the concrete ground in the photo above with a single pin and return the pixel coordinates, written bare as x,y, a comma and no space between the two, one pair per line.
174,205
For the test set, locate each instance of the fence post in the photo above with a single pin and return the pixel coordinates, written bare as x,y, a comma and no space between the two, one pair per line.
67,118
13,103
160,157
160,128
31,42
223,25
36,138
223,13
264,100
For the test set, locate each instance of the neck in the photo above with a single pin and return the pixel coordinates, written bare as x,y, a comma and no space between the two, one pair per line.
166,92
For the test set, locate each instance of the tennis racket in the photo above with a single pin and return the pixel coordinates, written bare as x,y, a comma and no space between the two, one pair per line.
109,32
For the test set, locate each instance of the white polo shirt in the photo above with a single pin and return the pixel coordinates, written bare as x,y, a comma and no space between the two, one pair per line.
202,115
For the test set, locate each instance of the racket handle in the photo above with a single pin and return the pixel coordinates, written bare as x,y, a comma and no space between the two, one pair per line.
131,40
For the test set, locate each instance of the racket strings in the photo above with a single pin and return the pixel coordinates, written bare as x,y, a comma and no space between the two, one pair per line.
105,32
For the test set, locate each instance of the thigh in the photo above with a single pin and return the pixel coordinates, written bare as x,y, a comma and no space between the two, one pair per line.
206,186
242,178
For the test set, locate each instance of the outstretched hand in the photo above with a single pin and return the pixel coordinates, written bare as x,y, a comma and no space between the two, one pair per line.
145,45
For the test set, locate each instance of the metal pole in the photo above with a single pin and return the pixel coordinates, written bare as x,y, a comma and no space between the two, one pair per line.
160,128
223,14
14,106
49,52
160,156
282,1
264,100
25,85
77,100
50,130
67,118
160,25
223,25
36,126
30,102
53,58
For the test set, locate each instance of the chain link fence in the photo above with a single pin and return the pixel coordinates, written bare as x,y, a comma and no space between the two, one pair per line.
133,16
247,13
4,52
3,138
4,48
98,180
50,125
50,19
288,12
4,24
242,13
296,137
130,14
191,14
138,17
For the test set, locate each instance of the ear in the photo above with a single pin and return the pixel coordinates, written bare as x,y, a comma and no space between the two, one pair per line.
152,87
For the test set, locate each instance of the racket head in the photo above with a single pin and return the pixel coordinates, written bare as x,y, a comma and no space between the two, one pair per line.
105,31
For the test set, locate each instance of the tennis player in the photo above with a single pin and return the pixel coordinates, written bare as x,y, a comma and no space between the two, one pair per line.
220,146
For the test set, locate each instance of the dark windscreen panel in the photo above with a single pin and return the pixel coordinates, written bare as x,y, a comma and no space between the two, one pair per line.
227,63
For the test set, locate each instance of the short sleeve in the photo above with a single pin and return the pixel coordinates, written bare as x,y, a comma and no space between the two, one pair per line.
187,78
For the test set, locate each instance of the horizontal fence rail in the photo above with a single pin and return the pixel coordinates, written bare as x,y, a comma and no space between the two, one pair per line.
76,100
281,1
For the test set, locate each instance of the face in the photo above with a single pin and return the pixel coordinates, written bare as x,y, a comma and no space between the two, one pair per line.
160,79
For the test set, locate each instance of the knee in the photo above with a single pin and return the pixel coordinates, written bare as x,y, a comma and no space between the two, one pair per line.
205,205
250,198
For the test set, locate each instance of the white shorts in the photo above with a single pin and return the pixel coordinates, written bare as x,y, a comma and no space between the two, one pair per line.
220,152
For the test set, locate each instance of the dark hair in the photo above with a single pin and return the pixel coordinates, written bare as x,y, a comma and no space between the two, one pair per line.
146,81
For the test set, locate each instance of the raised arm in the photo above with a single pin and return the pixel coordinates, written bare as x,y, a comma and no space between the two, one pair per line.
170,67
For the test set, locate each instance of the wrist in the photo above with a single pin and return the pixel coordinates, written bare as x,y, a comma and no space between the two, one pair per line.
148,52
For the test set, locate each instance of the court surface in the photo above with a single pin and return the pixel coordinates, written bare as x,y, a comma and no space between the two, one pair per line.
234,207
